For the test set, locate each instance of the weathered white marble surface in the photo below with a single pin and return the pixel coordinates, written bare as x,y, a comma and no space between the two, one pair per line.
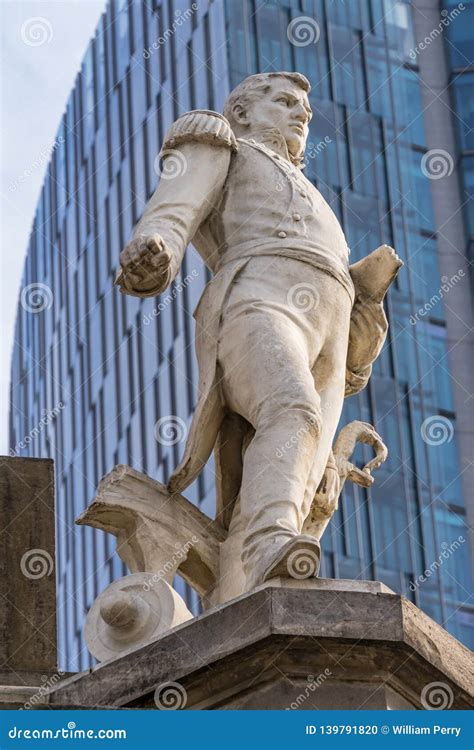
285,330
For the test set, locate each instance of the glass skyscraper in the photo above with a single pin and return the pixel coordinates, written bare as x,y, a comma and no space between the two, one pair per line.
460,55
94,370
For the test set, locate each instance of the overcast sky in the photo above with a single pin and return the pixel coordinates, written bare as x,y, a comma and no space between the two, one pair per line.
43,42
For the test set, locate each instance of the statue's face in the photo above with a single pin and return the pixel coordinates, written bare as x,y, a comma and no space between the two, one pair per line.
284,106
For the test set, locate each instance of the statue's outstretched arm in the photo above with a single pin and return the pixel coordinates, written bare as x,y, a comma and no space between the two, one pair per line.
196,156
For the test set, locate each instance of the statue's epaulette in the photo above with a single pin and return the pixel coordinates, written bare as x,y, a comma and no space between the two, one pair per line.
200,126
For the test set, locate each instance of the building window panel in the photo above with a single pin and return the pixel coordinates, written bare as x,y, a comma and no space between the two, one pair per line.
273,50
467,164
463,89
346,49
459,46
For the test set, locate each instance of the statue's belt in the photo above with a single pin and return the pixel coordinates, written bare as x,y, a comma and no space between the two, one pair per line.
305,252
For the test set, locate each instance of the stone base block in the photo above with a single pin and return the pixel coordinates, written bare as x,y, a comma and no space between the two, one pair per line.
303,646
27,571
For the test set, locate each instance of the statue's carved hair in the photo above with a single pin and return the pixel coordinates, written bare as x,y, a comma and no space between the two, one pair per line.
253,87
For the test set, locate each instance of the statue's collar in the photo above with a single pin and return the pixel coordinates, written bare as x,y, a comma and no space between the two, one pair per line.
274,140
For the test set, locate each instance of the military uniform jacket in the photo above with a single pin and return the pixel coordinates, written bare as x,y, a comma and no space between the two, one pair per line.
235,199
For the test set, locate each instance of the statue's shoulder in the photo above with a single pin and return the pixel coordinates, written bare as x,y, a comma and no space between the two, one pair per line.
200,126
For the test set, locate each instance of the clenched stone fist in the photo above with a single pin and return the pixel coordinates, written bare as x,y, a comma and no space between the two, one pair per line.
145,266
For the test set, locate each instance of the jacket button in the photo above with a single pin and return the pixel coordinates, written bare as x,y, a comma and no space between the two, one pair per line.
282,235
297,217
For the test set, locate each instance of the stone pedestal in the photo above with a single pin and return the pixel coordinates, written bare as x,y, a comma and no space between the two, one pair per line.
317,645
28,652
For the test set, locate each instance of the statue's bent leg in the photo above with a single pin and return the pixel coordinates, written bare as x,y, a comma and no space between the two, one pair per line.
329,377
233,578
331,405
267,379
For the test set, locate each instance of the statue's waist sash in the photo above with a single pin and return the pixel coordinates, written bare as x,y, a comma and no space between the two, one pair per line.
305,252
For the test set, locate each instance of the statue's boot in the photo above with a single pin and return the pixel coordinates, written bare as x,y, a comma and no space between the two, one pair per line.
299,558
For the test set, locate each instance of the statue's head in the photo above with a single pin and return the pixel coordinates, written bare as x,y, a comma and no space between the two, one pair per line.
272,100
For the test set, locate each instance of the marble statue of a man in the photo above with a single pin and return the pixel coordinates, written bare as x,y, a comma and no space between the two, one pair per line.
284,330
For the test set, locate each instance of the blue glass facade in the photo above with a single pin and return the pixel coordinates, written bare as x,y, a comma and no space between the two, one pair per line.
114,367
460,57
